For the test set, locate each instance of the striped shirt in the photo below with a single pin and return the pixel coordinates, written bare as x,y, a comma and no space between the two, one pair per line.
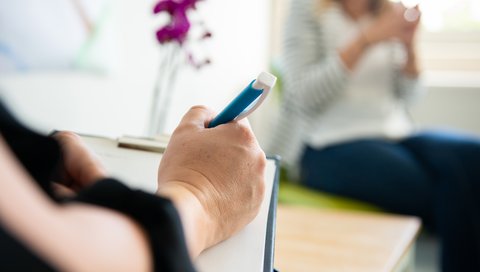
323,102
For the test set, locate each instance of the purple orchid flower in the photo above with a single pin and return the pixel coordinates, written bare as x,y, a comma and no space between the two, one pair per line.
179,25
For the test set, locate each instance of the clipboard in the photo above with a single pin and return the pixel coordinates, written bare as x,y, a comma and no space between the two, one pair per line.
252,249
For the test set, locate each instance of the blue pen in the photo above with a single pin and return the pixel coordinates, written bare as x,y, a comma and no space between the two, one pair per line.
247,101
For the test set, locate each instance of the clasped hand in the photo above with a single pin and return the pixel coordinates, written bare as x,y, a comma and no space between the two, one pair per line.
392,23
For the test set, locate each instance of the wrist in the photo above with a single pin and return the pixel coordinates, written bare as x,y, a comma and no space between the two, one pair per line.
87,176
197,224
411,67
94,175
369,34
410,50
365,38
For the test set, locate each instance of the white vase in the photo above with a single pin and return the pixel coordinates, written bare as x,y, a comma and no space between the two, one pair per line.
170,64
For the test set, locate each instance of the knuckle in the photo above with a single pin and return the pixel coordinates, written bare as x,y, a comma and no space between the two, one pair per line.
262,161
262,168
246,134
199,107
67,135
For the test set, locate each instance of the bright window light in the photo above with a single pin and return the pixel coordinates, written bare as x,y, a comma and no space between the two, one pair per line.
448,15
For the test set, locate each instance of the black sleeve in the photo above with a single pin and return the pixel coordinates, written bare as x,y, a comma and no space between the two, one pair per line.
155,214
39,155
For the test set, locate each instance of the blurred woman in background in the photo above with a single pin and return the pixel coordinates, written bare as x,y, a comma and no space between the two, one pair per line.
351,72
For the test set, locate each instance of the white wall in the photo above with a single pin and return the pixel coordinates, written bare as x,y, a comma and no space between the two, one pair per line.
119,103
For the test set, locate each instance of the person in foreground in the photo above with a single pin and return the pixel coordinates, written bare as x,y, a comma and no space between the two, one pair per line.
350,72
59,210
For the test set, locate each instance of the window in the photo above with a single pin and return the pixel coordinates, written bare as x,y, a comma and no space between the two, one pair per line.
450,35
451,16
449,39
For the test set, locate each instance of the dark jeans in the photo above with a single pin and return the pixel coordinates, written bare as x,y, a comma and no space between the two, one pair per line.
435,176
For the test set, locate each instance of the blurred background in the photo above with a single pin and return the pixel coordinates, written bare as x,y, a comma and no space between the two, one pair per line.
91,66
58,75
449,54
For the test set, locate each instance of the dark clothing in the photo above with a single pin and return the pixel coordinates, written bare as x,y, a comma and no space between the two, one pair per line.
435,176
41,157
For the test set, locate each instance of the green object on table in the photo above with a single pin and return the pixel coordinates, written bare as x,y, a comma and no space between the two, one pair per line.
295,194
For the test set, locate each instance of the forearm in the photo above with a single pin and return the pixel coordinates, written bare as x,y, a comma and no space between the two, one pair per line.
407,84
353,51
411,68
71,238
92,238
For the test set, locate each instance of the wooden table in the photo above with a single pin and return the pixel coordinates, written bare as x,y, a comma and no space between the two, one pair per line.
320,240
